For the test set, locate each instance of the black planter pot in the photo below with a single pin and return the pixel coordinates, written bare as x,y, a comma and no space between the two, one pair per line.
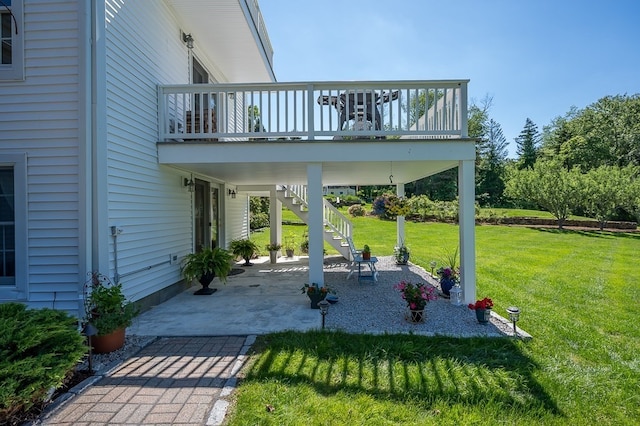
205,280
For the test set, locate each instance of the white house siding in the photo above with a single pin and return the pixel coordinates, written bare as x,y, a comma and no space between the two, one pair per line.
237,218
39,116
146,201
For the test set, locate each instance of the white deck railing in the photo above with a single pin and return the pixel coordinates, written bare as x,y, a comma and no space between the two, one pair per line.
312,111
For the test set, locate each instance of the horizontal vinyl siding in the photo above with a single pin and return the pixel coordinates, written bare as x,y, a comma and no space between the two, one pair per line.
237,224
39,116
146,200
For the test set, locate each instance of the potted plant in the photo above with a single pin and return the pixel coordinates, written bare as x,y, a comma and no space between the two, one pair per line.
109,311
290,244
316,293
483,309
304,245
245,248
366,252
449,273
273,251
401,254
416,295
205,265
448,278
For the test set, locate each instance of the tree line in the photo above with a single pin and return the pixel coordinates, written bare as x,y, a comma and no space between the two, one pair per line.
586,162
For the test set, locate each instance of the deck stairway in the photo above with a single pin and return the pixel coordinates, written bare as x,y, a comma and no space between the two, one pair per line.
337,228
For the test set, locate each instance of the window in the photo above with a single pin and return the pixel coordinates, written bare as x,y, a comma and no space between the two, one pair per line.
7,227
12,227
11,40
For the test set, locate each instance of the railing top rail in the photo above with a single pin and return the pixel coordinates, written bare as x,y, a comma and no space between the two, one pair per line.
320,85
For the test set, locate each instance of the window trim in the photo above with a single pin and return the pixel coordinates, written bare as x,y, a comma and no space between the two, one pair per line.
18,161
15,70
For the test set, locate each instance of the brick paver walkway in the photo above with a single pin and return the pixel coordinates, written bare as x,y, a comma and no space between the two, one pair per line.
174,380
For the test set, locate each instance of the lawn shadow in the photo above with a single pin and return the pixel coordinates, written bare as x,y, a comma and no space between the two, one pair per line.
405,368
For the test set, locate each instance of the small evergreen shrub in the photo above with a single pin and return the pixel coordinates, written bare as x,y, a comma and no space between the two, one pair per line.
38,350
259,220
356,210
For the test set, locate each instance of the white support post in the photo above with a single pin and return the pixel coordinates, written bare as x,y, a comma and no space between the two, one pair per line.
400,219
275,217
316,223
466,197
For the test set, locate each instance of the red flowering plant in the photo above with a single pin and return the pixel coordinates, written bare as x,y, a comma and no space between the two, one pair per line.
416,295
485,303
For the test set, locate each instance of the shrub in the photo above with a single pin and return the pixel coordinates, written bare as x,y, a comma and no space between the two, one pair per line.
390,206
38,350
356,210
259,220
421,206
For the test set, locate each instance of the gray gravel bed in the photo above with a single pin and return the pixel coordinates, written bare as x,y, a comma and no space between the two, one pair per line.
376,307
101,363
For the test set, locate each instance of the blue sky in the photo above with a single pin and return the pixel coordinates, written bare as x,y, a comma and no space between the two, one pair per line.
536,58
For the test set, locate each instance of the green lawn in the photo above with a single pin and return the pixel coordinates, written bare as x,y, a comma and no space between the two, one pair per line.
579,294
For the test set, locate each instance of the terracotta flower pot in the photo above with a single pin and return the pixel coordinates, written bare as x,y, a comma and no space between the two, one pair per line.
108,342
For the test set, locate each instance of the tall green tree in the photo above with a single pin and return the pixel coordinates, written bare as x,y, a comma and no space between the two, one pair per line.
550,185
606,189
606,133
492,157
527,145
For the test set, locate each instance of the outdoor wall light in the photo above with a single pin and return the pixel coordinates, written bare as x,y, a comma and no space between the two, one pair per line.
455,295
324,310
188,39
231,193
514,316
189,184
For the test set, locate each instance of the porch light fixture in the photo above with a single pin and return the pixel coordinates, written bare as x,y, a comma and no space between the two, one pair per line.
324,310
231,193
190,184
514,316
188,39
455,295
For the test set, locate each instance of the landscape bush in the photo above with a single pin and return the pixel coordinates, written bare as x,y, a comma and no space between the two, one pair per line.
38,350
357,210
259,220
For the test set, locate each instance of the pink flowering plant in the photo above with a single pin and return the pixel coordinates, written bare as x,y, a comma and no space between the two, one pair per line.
416,295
